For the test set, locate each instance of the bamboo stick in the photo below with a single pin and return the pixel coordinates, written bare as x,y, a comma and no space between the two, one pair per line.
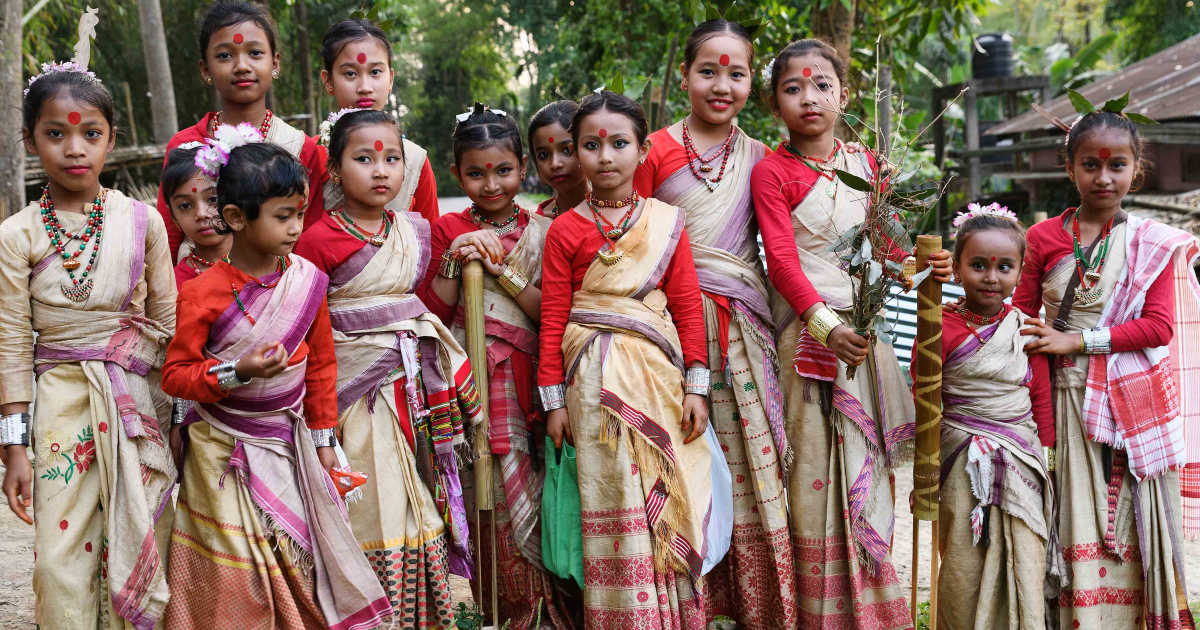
933,575
916,562
927,361
472,290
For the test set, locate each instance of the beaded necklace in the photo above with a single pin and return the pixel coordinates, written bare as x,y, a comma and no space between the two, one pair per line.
1090,270
823,168
263,129
283,265
631,200
980,321
499,227
196,261
81,287
614,232
694,156
377,239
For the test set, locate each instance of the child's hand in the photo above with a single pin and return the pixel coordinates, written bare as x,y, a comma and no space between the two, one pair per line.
328,457
177,444
941,263
265,361
849,346
558,427
695,416
470,252
18,480
1049,340
485,241
951,307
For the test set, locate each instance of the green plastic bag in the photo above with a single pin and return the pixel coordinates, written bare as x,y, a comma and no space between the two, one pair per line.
562,525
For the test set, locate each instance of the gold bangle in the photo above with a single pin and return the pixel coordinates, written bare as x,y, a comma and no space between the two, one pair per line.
822,323
1048,452
1082,343
451,266
910,267
512,280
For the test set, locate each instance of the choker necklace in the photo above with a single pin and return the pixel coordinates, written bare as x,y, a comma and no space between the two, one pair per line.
1089,271
499,227
81,287
823,168
631,200
197,261
705,166
977,319
377,239
613,233
263,128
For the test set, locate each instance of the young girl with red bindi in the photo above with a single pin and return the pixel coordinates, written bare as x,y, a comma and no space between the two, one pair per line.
554,157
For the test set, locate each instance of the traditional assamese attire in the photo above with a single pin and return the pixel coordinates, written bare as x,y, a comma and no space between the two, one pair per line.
261,535
512,348
756,582
645,495
999,544
854,432
102,471
418,192
405,391
305,148
1120,421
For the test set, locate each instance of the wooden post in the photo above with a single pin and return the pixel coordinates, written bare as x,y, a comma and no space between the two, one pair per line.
304,52
129,112
163,118
971,131
927,377
12,150
663,113
472,288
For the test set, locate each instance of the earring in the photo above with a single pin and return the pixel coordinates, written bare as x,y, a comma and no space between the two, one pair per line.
274,74
207,80
641,161
337,179
683,86
330,90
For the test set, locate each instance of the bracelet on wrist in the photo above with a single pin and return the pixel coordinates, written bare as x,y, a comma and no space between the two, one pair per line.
227,377
697,380
1048,453
451,267
822,323
1097,341
512,281
553,396
324,437
14,429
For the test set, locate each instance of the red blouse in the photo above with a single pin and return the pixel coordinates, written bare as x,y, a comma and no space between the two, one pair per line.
666,156
201,302
1050,241
327,245
184,272
955,331
425,200
571,246
312,156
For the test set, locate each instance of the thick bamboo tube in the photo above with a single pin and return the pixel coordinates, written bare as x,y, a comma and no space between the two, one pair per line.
472,291
927,374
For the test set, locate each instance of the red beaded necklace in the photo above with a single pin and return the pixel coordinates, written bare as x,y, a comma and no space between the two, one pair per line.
377,239
694,156
974,318
81,287
283,265
612,232
263,129
196,261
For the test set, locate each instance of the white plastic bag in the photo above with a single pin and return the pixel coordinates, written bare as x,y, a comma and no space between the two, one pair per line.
719,532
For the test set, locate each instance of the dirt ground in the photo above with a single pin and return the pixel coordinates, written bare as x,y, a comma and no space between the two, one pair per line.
16,566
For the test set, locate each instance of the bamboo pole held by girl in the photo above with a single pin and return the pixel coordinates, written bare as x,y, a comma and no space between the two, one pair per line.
927,377
472,284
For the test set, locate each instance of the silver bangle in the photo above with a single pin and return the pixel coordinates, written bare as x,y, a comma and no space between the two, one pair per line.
222,367
553,396
14,429
696,381
324,437
1097,341
228,379
180,410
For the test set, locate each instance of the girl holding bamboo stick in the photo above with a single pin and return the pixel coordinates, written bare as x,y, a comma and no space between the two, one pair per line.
855,431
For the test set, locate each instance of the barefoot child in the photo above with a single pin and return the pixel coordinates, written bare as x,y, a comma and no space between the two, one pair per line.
239,57
358,74
1114,286
489,163
193,203
703,163
255,351
396,364
997,502
854,432
623,378
554,157
87,270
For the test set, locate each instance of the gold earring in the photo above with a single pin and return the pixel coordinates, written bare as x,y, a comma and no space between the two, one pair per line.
330,90
337,179
274,74
683,86
208,80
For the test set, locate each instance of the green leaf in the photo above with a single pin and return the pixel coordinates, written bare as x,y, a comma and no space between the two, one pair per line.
849,7
617,84
1140,119
387,25
853,181
636,88
917,195
373,14
1081,104
712,13
758,32
732,14
698,12
1117,105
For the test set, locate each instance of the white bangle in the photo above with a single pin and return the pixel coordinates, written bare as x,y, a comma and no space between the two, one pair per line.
553,396
696,381
14,429
1097,341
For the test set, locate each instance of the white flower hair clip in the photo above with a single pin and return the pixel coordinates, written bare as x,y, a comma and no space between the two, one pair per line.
187,146
226,138
326,128
478,109
766,72
83,52
976,210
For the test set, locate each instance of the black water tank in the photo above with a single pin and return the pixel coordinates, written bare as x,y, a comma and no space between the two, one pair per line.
996,60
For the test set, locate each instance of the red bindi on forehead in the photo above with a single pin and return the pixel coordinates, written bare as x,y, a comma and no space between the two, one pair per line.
603,133
1105,153
379,145
74,118
993,259
550,140
488,165
362,57
194,190
807,72
724,60
237,38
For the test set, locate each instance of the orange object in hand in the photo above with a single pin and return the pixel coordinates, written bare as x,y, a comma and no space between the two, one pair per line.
346,480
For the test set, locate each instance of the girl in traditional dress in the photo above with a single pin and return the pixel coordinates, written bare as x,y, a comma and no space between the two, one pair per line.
855,431
554,157
261,535
358,74
405,389
103,472
702,164
489,164
996,524
1122,287
622,322
240,59
192,198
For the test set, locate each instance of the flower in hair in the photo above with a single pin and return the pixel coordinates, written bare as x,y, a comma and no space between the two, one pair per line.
226,138
767,73
326,127
478,109
187,146
976,210
54,67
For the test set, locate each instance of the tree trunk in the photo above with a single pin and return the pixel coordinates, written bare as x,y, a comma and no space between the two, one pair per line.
158,71
663,114
306,72
12,150
836,26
